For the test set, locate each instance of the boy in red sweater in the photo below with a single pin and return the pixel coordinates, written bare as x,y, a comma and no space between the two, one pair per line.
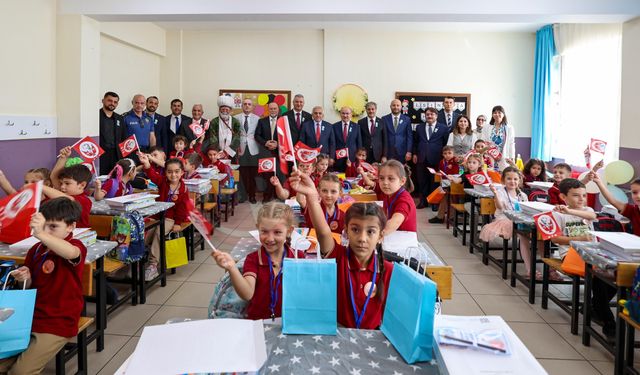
352,168
54,268
561,171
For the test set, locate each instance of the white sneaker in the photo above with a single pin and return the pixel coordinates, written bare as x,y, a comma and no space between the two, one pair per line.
151,272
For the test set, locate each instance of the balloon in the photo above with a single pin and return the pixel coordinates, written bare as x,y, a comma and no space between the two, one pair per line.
617,193
283,109
263,99
618,172
258,110
592,188
279,100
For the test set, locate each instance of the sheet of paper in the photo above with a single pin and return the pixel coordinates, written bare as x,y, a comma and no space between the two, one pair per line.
399,241
623,240
218,345
28,242
469,361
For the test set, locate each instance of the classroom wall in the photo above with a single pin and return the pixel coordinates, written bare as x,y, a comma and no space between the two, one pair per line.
629,108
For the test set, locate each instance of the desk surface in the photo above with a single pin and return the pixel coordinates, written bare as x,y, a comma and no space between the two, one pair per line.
519,217
478,194
592,253
94,252
102,208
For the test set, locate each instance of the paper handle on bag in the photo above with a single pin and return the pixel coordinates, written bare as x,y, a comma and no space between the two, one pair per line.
4,286
310,239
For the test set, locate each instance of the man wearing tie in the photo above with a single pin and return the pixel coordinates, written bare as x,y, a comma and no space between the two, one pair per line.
266,136
431,137
373,134
297,116
399,133
448,115
346,135
176,122
317,132
249,151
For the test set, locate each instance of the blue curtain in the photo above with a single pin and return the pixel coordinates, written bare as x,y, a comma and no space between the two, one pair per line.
544,69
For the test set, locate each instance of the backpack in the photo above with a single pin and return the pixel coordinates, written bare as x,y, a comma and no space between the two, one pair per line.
225,302
539,196
114,188
607,223
633,303
6,266
128,231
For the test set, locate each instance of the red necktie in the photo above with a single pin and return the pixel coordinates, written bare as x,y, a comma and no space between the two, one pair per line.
317,133
298,121
344,132
373,128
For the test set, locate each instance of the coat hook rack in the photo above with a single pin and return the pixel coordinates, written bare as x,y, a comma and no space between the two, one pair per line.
35,123
22,132
47,131
9,123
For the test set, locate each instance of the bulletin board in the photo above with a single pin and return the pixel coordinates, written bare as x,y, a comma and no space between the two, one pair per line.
260,98
415,103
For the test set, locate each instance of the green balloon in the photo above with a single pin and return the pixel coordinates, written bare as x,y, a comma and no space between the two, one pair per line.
283,109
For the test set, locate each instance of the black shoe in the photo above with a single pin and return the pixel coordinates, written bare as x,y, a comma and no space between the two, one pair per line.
609,330
436,220
421,206
252,200
434,207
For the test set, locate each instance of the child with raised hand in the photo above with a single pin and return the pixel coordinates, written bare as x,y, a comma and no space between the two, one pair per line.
54,268
171,188
261,280
363,274
629,210
286,191
394,189
352,168
329,191
321,167
32,175
535,170
119,180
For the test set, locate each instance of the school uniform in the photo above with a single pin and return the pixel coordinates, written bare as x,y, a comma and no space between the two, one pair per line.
122,189
192,175
450,167
257,265
335,221
182,154
316,177
352,171
399,202
527,177
632,212
352,277
85,203
554,195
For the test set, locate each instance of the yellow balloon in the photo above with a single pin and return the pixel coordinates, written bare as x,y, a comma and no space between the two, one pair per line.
618,172
263,99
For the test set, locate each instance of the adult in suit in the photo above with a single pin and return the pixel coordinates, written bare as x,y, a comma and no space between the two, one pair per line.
160,125
248,151
196,116
224,130
112,132
373,134
399,133
297,116
431,137
266,136
448,115
317,132
347,135
177,123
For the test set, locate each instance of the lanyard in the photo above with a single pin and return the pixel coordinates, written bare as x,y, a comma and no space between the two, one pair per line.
509,197
393,201
274,284
357,317
333,217
172,193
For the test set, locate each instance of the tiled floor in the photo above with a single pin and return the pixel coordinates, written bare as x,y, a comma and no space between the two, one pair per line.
478,290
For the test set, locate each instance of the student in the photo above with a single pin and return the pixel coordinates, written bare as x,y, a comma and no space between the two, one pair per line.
286,191
157,157
211,158
449,165
472,166
32,175
535,170
191,164
394,188
179,145
54,268
480,147
171,189
630,211
119,180
329,191
261,280
561,171
321,166
363,274
352,167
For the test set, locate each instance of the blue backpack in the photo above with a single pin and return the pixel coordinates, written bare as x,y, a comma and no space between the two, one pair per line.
6,266
128,231
225,302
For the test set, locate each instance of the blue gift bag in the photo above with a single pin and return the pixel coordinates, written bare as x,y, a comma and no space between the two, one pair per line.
409,314
309,296
16,316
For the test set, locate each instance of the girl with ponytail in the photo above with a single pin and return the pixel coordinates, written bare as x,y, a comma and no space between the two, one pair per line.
119,180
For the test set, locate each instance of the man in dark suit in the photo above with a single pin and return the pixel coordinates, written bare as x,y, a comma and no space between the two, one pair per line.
317,132
297,116
267,136
346,135
399,133
431,137
112,132
448,115
160,126
178,124
373,134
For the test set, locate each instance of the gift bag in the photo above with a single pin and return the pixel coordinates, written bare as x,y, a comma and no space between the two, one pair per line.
16,316
309,296
436,196
572,263
176,252
409,314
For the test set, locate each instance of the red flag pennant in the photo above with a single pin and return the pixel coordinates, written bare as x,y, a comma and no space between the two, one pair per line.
305,153
479,179
267,165
202,225
128,146
285,145
547,225
342,153
494,152
367,167
197,129
598,145
88,149
16,210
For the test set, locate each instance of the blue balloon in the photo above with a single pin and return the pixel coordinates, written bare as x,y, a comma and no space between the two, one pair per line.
617,193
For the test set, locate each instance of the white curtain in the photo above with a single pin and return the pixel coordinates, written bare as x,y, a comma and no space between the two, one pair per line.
589,93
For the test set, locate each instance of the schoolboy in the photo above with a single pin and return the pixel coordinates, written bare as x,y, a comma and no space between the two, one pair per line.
191,164
54,268
561,171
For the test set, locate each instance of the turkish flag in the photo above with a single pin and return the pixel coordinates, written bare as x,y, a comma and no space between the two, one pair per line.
88,149
202,225
305,153
267,165
285,144
494,152
128,146
16,210
197,129
598,145
367,167
547,225
342,153
479,179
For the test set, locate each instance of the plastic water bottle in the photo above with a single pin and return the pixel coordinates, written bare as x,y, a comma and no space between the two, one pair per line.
232,182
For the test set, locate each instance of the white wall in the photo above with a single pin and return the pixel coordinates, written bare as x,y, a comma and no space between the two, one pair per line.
629,108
